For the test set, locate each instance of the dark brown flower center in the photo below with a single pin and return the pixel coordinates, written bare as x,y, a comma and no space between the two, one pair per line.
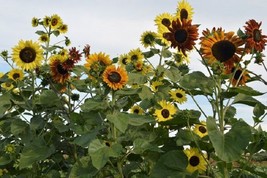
180,35
134,57
256,35
114,77
194,161
61,69
179,95
136,111
223,50
183,14
148,39
202,129
238,75
165,113
166,22
54,22
15,76
27,55
124,61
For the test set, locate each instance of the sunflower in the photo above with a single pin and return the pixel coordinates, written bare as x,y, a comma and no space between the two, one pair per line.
123,59
155,85
55,22
201,129
184,10
97,60
63,28
166,111
114,77
182,35
44,38
148,39
46,21
180,58
196,162
178,95
163,21
136,110
1,74
222,47
255,40
239,76
135,55
28,55
75,55
35,22
58,72
16,75
7,86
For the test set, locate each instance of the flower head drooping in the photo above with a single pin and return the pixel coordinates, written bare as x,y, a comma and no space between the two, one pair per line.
114,77
182,34
184,10
58,72
178,95
166,111
28,55
201,129
221,47
255,40
16,75
148,39
136,110
196,162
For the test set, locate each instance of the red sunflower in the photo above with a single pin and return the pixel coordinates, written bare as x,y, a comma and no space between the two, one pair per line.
182,35
255,40
58,72
75,55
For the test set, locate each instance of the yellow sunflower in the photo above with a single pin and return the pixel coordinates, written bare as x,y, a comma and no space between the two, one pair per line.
10,148
63,28
123,59
35,22
255,39
44,38
46,21
136,110
178,95
135,55
27,54
201,129
148,39
180,58
16,75
222,47
166,111
55,21
155,85
196,162
163,21
182,34
7,86
97,60
184,10
58,72
114,77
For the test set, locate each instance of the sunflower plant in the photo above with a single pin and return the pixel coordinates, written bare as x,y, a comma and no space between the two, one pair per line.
69,112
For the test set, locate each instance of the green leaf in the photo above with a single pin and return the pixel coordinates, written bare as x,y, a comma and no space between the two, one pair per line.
91,104
259,110
136,78
119,120
5,159
5,103
140,145
166,53
83,168
245,99
173,74
246,90
39,32
172,164
18,126
85,139
36,151
49,98
229,146
80,85
145,93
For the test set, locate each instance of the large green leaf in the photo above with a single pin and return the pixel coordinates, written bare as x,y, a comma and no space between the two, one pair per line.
18,126
49,98
83,168
140,145
4,103
173,74
91,104
229,146
245,99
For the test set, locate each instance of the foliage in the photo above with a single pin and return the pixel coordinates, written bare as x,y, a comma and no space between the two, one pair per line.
121,117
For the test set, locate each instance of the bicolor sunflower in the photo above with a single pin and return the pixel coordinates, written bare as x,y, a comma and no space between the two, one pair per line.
200,129
148,39
58,72
222,47
55,22
166,111
238,76
178,95
255,40
15,74
27,55
182,34
196,162
115,78
136,110
184,10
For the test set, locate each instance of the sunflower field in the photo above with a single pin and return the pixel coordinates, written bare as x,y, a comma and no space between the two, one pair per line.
70,112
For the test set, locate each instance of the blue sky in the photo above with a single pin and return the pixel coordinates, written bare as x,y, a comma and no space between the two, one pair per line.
115,26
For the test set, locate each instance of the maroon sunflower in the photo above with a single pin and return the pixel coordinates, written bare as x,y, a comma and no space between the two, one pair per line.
255,40
75,55
182,35
58,72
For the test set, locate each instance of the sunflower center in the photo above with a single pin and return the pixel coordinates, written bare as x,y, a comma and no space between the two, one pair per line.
134,57
61,70
179,95
238,75
180,35
136,111
114,77
27,55
124,61
149,39
165,113
166,22
15,76
183,14
194,161
202,129
54,22
223,50
256,35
